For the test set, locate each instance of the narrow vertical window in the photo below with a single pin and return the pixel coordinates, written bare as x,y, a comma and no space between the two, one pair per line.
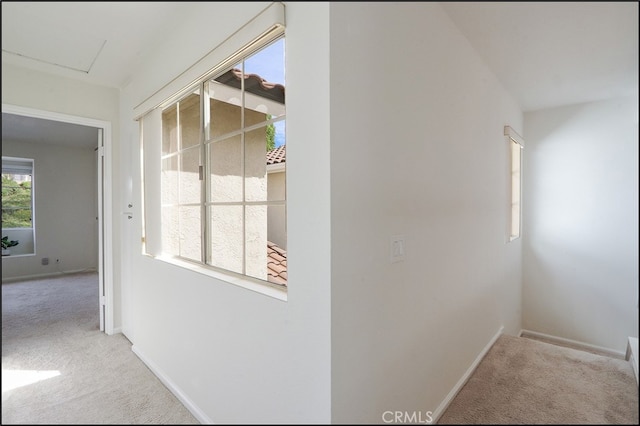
516,146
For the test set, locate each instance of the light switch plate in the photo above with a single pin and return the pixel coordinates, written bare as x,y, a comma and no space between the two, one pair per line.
397,248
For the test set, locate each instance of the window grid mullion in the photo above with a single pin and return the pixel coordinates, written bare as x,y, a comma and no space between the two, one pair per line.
204,162
243,171
179,177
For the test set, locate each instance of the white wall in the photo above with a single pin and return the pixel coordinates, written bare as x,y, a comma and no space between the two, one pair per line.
417,149
236,355
580,253
66,196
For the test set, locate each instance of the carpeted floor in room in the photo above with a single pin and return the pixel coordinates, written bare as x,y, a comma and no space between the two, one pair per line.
525,381
58,368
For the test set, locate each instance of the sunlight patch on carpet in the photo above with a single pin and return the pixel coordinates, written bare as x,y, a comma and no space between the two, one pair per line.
12,379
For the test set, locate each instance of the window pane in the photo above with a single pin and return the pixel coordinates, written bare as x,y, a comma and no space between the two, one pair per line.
276,164
170,180
190,176
170,130
227,246
276,264
225,102
276,185
277,225
190,121
190,232
277,245
16,201
256,241
16,218
225,159
255,158
515,189
264,83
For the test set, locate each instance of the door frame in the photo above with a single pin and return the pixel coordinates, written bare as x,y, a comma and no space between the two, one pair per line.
105,214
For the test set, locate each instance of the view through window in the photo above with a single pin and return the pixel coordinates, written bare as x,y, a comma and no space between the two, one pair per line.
17,202
223,173
17,205
516,146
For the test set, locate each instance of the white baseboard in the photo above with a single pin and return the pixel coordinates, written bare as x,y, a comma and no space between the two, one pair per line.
197,413
47,275
465,377
632,354
573,344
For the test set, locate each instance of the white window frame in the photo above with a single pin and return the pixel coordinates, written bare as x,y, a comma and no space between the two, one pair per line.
515,144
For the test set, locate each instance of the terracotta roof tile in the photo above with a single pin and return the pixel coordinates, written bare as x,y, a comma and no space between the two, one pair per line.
276,264
279,250
253,83
277,155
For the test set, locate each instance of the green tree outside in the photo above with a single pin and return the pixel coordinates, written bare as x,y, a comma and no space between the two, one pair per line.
271,135
16,203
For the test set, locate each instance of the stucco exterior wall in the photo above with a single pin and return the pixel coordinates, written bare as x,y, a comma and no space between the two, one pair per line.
276,215
237,174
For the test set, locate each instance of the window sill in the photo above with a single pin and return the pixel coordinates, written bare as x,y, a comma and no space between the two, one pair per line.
255,285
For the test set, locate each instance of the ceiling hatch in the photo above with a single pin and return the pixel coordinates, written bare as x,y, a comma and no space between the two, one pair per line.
41,41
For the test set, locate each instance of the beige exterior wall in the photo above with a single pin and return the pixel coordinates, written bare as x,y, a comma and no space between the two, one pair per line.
276,222
181,225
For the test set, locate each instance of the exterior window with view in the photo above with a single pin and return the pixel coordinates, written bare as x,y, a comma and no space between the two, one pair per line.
223,156
17,204
516,145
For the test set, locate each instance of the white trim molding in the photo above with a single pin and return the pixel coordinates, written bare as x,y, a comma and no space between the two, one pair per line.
574,344
508,131
173,388
632,354
465,377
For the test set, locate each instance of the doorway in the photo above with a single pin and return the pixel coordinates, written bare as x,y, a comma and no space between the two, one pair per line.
103,141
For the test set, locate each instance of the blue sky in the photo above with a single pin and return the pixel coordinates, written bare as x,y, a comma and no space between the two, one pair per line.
269,64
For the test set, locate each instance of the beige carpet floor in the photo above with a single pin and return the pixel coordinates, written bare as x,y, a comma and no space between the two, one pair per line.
58,368
525,381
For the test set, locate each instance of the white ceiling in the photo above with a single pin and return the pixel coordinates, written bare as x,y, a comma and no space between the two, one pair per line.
19,128
546,54
97,42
